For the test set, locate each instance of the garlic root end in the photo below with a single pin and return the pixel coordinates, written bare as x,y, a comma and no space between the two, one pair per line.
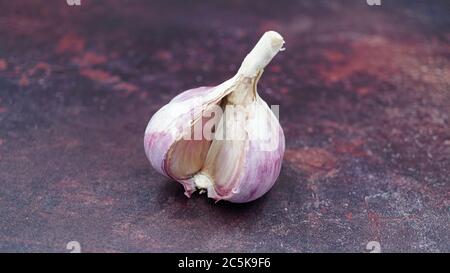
202,181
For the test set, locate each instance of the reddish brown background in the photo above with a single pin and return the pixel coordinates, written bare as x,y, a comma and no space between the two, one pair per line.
364,102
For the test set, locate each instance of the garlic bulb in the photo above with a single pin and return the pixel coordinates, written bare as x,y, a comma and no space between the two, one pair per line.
224,140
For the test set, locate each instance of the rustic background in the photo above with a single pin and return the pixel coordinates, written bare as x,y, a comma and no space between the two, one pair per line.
364,101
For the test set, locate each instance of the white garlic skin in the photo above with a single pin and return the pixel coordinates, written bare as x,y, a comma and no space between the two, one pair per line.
259,167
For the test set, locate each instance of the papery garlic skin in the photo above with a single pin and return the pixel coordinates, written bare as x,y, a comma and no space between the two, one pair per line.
261,164
235,170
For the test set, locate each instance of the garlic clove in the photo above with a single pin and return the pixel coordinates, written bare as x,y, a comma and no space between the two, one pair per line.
239,168
168,123
243,170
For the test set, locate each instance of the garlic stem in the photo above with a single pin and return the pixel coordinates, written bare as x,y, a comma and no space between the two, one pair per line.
263,52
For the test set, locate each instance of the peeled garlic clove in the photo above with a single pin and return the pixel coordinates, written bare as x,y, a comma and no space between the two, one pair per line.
241,160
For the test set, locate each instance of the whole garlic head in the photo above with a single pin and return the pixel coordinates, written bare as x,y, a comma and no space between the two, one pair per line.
224,140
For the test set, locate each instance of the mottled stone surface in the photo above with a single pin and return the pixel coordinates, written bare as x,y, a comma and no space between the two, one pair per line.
364,95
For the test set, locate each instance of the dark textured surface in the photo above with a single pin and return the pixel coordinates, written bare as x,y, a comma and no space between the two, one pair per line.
364,101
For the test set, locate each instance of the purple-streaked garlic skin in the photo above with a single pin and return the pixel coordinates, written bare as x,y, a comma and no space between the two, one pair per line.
168,123
160,136
167,126
258,167
261,167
